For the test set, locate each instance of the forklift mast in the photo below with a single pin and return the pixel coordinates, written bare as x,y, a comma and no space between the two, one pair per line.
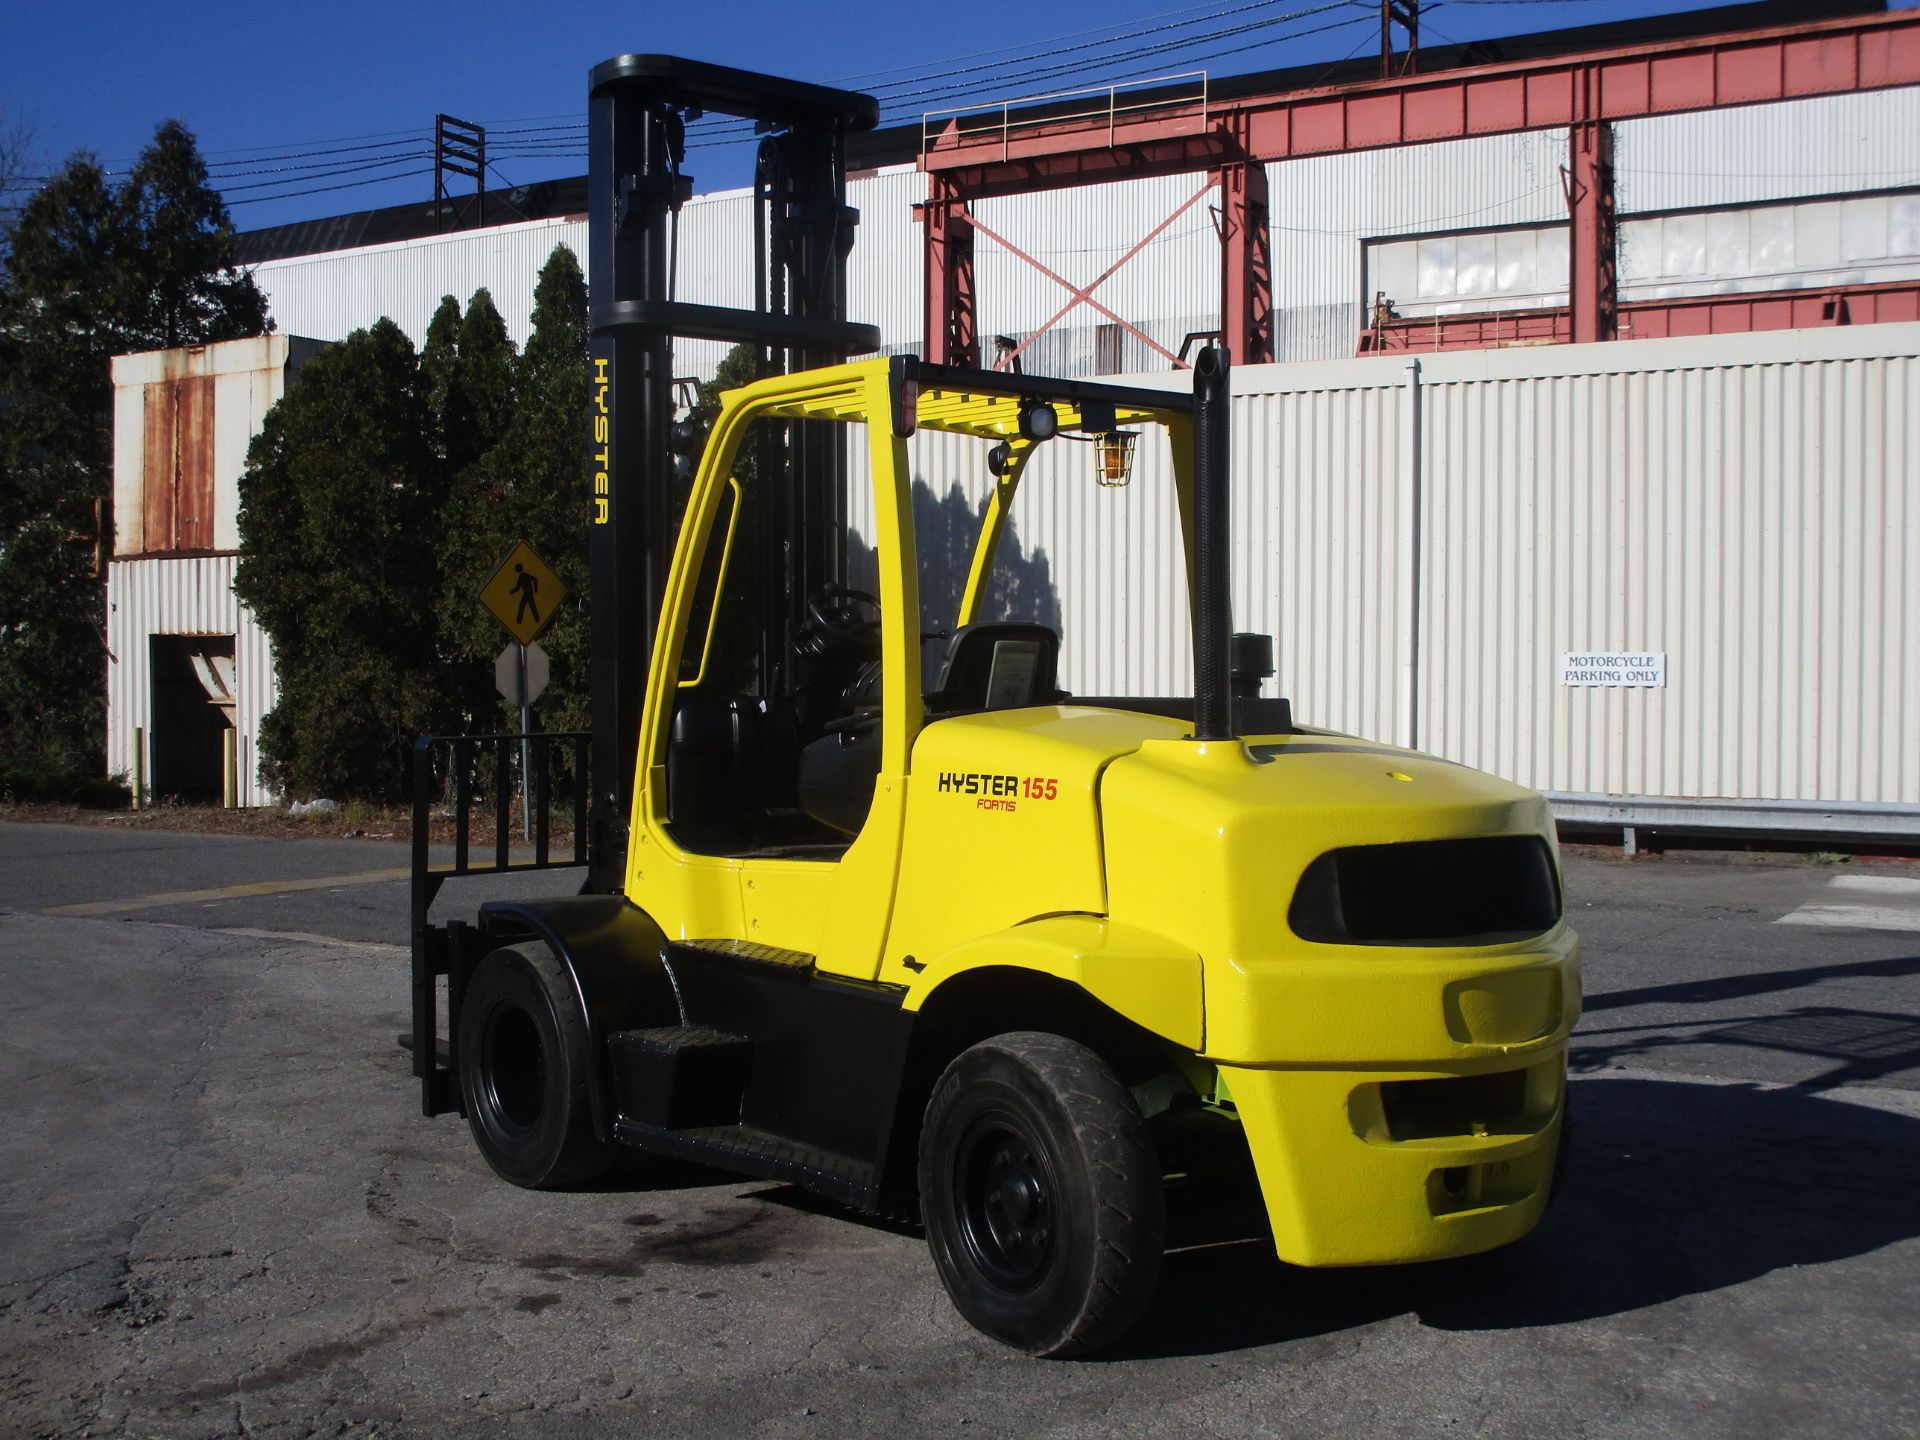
639,108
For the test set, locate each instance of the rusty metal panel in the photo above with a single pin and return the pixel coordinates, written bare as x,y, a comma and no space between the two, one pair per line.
193,438
156,466
183,419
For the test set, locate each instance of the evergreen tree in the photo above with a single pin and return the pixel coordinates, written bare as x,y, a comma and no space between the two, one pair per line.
529,482
479,397
546,451
185,287
339,493
90,272
436,364
484,507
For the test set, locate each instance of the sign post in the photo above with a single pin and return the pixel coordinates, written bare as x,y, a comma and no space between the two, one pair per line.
524,595
520,674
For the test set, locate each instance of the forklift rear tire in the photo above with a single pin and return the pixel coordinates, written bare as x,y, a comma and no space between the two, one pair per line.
1041,1194
523,1072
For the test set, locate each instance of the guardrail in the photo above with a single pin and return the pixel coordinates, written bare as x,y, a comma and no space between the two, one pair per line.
1091,115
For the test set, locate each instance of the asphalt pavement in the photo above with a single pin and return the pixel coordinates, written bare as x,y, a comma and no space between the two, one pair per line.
221,1213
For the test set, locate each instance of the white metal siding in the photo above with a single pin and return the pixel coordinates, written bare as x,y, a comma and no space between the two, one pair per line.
1323,208
191,596
329,296
1749,505
333,294
1829,145
1332,591
885,283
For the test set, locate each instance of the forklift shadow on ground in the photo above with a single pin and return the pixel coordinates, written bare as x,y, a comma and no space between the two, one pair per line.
1674,1190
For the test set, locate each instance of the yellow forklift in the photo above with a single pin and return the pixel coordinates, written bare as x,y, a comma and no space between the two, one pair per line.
876,908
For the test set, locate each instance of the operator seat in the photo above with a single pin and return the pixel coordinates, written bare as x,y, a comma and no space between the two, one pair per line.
997,665
1003,665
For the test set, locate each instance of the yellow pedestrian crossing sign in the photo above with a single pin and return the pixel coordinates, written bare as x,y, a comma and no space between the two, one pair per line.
524,593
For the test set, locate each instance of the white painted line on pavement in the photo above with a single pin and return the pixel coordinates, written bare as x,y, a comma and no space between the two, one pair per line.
1853,917
1896,907
1877,885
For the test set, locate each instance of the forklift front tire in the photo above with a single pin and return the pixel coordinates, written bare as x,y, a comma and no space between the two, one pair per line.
523,1071
1041,1195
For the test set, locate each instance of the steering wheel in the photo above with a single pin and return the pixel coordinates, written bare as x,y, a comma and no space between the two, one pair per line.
839,618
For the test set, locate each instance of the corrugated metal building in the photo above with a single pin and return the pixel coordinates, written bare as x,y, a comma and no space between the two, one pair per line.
1430,539
186,664
1802,194
1428,542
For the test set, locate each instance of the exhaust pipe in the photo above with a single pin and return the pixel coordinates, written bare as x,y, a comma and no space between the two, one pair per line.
1212,578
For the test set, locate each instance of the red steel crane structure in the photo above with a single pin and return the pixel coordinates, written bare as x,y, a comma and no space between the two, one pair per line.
1232,141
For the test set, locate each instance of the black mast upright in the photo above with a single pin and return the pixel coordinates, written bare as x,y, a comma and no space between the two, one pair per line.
637,111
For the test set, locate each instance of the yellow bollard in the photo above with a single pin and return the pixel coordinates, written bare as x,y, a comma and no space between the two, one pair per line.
229,780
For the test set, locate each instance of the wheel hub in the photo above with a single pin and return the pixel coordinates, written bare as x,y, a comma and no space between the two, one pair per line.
1006,1203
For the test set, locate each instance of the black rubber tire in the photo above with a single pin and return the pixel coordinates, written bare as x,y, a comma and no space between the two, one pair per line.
1041,1195
523,1072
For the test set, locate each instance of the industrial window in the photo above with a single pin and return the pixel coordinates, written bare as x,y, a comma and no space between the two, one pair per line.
1802,245
1470,272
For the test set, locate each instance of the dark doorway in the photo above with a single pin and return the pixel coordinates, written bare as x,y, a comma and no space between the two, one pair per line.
192,711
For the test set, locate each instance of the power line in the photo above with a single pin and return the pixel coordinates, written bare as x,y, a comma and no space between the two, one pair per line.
1026,49
1167,48
350,169
1052,71
324,189
560,137
319,167
1125,35
271,168
412,137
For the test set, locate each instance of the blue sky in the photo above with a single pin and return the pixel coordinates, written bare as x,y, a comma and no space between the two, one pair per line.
299,98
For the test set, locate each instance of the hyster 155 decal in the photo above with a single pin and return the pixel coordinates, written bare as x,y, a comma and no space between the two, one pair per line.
998,792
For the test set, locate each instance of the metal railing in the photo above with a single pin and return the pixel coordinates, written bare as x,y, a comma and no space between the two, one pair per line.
1091,116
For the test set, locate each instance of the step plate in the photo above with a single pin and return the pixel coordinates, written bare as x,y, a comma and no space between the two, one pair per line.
749,1151
746,951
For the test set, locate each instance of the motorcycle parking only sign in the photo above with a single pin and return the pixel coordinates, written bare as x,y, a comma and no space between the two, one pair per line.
1614,667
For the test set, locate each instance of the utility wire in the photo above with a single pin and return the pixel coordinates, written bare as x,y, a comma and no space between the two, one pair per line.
352,169
1169,49
560,137
412,137
1052,70
324,189
564,140
1024,49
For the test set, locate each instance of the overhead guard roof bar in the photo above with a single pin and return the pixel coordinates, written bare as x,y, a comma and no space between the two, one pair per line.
674,80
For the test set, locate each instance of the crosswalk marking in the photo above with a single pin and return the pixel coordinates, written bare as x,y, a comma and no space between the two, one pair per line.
1886,902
